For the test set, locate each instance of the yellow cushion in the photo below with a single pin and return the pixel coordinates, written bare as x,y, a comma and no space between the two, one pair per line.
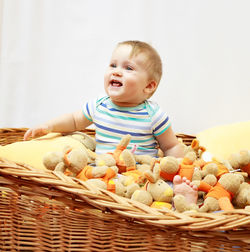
222,141
32,152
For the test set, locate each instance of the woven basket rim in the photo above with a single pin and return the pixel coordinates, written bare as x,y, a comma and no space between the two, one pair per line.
17,175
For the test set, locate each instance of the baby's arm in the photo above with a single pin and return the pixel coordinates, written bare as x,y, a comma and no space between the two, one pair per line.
169,144
65,123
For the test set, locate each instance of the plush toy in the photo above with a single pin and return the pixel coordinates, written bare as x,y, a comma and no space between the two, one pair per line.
143,162
186,168
215,168
118,186
128,160
127,183
169,167
241,160
113,185
159,190
132,174
242,197
181,204
130,189
96,183
118,154
105,159
143,159
74,162
196,148
142,196
74,159
88,141
220,196
102,172
161,205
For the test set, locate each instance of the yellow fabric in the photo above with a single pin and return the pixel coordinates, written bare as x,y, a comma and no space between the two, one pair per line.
222,141
32,152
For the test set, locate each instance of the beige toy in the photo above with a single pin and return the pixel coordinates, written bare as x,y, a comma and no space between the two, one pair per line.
189,166
113,185
118,187
128,160
134,176
142,196
241,160
104,159
88,141
196,148
242,197
170,167
181,205
143,162
159,190
215,167
127,183
118,154
97,183
220,196
74,159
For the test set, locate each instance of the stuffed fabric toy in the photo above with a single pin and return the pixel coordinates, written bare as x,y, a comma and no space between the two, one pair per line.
73,159
220,196
119,187
118,155
142,196
159,190
171,166
181,204
241,160
242,197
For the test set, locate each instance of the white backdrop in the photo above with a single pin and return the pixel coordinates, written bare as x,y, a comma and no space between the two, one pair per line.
53,54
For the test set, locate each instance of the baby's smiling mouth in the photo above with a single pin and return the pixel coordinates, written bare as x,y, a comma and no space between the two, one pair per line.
115,83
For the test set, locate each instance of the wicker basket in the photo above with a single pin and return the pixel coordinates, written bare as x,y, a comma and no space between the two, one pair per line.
47,211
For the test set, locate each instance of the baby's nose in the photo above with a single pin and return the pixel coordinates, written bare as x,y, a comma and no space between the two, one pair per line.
117,72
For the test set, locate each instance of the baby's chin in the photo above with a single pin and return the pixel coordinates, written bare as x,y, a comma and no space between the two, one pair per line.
115,91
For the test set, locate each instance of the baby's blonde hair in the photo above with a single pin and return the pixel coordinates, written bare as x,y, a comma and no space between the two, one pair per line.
153,60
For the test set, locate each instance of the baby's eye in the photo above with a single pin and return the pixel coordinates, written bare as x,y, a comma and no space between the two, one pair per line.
129,68
112,65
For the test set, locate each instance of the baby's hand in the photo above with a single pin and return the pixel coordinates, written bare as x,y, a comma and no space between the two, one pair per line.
36,131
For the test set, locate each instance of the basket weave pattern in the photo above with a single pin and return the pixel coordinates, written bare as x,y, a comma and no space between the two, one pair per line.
48,211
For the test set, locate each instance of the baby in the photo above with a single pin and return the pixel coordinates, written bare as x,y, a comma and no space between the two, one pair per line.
132,77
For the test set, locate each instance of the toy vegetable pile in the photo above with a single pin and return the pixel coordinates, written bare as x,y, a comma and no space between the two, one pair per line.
186,184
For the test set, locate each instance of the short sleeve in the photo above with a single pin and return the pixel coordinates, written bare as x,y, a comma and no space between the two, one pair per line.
160,120
88,109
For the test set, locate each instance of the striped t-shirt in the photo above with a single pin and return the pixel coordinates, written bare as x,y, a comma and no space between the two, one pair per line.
142,122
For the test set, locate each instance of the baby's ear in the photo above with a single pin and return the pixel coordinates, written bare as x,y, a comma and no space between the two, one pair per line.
151,87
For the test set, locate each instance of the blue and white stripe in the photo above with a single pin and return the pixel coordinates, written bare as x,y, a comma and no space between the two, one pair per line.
142,122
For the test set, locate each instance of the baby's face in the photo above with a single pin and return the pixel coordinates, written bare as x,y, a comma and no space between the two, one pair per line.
126,78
